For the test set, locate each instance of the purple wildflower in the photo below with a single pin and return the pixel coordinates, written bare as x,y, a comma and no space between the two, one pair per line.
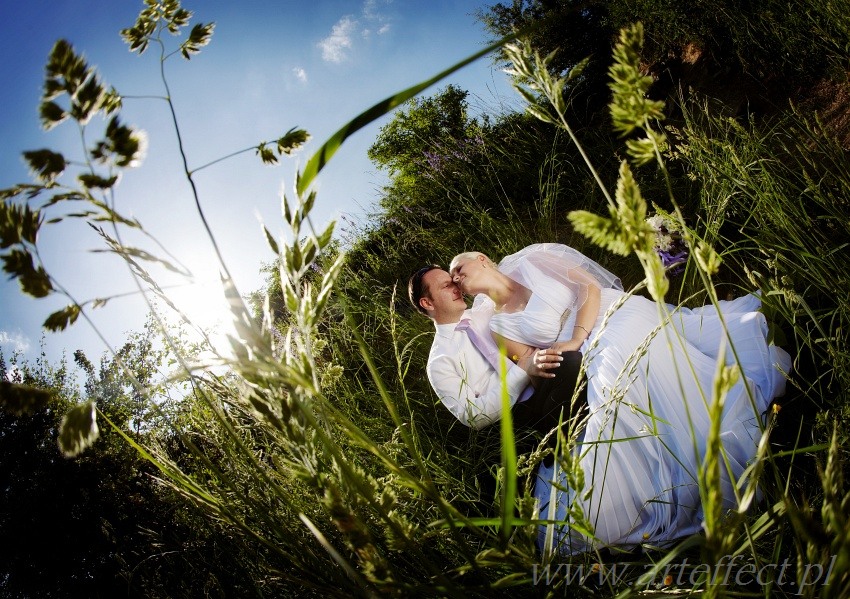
669,245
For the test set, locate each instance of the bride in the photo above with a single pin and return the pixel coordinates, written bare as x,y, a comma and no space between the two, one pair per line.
649,380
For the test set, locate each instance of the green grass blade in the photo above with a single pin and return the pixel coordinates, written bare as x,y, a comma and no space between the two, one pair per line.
509,459
343,563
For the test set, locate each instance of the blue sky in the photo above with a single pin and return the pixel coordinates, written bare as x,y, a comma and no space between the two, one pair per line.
271,65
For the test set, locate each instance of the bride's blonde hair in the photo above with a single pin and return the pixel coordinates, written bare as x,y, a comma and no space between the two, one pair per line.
469,256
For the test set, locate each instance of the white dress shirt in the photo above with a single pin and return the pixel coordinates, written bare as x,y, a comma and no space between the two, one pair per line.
463,378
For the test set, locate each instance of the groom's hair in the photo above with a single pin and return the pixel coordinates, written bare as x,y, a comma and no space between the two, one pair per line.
416,289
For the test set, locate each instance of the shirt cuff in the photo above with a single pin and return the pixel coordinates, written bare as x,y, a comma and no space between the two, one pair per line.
517,381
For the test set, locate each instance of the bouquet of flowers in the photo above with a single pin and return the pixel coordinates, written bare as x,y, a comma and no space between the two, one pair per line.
669,244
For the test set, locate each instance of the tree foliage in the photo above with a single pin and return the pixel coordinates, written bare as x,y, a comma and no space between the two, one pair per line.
420,126
760,49
70,527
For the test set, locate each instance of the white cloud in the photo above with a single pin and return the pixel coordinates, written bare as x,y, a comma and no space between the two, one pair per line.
369,8
335,45
300,74
372,13
17,341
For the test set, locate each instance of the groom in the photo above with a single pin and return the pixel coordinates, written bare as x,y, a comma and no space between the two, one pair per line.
464,369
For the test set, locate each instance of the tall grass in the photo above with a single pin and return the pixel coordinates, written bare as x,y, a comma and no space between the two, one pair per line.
776,196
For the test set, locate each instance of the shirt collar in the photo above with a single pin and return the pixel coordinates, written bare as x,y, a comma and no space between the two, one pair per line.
448,329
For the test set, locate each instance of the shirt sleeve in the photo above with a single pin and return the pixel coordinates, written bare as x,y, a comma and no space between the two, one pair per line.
475,402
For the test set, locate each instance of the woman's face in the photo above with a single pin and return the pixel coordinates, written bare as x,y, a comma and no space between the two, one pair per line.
469,274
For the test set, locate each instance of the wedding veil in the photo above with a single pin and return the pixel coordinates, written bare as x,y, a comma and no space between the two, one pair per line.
561,264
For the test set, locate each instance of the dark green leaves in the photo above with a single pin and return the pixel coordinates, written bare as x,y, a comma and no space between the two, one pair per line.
198,38
68,74
65,71
45,164
173,15
271,241
630,107
87,100
60,320
291,141
22,399
79,430
266,154
19,227
18,224
111,101
34,281
626,230
123,146
170,16
96,181
51,114
71,89
138,36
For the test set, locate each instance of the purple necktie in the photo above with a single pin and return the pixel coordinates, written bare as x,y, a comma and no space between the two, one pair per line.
490,351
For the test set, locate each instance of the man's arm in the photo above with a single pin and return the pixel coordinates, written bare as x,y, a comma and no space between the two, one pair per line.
454,386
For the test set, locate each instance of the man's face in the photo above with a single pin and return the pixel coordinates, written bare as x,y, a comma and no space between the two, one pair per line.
442,298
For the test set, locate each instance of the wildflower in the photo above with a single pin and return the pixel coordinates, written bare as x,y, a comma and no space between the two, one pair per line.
434,161
674,260
668,244
663,242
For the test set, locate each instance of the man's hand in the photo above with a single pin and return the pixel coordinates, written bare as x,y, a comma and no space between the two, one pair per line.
571,345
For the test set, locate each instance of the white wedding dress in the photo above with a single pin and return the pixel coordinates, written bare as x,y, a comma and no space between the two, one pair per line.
645,438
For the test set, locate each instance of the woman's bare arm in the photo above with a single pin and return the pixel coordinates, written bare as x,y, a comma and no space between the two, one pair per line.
523,356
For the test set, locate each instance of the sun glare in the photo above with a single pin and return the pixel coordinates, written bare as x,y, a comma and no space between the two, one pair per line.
203,303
